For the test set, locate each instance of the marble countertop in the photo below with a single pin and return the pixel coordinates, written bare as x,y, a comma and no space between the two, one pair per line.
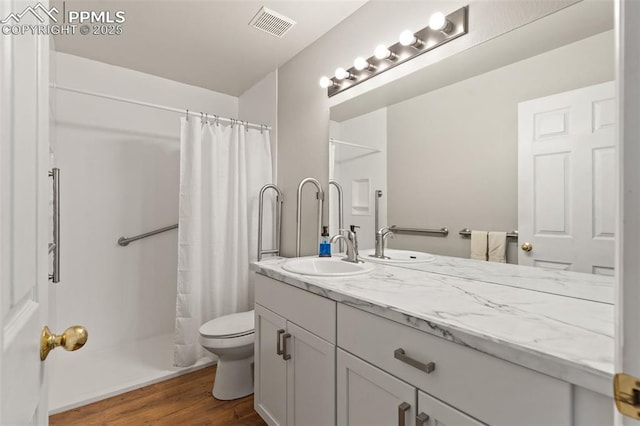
570,338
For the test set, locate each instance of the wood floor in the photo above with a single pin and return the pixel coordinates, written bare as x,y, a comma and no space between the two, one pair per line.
184,400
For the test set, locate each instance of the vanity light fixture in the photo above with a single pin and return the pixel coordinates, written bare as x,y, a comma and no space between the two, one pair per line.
326,82
407,38
441,29
383,52
361,64
439,22
342,74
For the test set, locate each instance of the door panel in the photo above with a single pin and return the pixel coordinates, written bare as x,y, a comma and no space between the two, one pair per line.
567,180
24,190
310,379
441,414
368,396
270,399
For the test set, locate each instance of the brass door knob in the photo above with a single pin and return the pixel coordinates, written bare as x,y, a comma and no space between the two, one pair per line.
526,246
72,339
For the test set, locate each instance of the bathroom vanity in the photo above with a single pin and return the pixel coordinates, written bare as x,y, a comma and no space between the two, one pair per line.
411,346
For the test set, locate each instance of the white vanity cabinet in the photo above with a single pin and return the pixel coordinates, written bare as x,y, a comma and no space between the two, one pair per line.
367,395
319,362
294,355
494,391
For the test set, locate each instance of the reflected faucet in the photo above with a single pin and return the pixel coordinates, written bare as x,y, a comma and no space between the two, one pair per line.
349,239
381,236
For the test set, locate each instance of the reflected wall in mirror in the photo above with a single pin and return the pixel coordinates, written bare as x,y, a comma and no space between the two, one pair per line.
449,155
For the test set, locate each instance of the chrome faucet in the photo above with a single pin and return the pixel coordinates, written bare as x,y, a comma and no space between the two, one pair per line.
349,238
381,236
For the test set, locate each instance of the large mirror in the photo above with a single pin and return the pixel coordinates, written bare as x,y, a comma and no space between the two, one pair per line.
515,134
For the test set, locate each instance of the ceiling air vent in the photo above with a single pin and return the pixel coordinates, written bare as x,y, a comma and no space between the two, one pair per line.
272,22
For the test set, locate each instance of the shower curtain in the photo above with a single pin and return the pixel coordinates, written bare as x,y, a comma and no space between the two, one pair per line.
222,168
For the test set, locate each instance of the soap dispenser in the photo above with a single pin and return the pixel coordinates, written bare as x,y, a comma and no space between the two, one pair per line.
325,245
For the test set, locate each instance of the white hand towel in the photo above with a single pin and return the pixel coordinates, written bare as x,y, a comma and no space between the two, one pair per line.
498,247
479,245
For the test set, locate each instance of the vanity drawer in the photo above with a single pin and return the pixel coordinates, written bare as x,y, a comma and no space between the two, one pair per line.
494,391
314,313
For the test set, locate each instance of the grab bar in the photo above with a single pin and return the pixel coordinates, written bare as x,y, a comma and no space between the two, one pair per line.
279,201
55,246
340,210
124,241
399,230
320,198
466,232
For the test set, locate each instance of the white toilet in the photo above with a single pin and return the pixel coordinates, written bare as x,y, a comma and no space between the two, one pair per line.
231,338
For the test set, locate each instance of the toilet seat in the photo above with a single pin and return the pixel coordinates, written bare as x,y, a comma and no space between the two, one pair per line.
227,342
229,326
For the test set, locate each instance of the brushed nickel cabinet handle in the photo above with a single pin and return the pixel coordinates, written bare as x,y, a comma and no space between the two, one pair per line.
400,355
285,355
402,412
422,419
279,333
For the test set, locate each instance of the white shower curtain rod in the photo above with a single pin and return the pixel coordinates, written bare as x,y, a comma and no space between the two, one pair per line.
355,145
162,107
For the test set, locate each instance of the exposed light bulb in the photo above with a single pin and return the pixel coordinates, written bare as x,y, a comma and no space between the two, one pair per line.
383,52
407,38
326,82
439,22
361,63
341,74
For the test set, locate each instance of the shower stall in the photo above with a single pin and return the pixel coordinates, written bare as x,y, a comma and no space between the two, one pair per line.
119,176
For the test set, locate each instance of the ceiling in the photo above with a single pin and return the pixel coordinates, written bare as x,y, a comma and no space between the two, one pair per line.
205,43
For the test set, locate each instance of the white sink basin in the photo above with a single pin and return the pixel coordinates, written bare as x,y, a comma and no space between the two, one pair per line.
398,256
326,267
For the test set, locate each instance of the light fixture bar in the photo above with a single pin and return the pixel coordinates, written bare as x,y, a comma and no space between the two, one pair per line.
430,38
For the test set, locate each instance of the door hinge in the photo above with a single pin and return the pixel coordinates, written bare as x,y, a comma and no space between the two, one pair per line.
626,392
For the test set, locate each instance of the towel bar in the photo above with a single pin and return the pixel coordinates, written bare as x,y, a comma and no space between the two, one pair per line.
466,232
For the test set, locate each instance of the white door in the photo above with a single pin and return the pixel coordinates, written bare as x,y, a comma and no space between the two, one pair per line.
24,225
310,379
270,398
628,256
567,180
432,412
368,396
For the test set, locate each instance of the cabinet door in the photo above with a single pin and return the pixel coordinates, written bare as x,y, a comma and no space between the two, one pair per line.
432,412
310,378
270,399
369,396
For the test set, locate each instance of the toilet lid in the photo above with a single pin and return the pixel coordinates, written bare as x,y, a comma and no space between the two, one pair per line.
233,325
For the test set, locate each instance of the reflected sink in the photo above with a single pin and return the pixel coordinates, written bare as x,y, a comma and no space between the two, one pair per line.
398,256
326,267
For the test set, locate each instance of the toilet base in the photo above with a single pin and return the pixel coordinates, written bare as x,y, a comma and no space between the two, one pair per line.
234,379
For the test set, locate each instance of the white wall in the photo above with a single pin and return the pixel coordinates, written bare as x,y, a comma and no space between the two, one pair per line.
259,105
452,153
120,176
303,108
356,164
